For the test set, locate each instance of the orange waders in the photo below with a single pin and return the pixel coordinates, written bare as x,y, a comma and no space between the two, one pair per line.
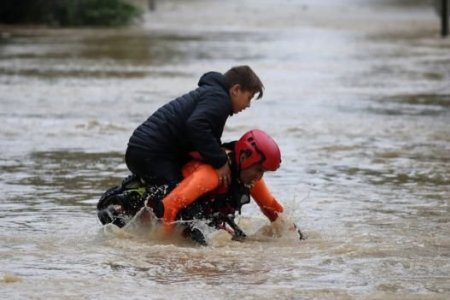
199,179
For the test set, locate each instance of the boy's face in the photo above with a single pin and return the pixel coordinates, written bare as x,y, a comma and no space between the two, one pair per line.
240,99
251,175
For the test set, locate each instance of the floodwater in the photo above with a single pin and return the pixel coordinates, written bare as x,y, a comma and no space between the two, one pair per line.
357,95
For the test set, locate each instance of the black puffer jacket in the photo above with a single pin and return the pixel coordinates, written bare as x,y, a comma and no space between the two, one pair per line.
192,122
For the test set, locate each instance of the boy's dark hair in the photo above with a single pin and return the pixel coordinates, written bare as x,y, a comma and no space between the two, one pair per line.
246,78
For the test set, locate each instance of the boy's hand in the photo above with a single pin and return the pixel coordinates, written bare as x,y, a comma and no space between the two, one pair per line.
224,174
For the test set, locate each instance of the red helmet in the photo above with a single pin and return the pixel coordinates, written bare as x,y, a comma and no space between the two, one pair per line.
260,148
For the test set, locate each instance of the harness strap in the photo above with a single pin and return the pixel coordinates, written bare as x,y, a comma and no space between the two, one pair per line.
266,202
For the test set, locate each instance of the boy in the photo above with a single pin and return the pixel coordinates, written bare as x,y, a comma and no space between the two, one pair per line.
160,146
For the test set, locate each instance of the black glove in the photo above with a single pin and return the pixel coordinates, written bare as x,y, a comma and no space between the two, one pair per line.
300,234
239,235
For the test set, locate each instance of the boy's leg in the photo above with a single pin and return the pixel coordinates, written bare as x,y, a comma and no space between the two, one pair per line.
160,173
154,169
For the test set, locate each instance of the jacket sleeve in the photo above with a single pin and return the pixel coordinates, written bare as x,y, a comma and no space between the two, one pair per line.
205,125
266,202
200,179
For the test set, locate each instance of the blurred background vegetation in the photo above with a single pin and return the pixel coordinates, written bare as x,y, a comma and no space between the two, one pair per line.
69,12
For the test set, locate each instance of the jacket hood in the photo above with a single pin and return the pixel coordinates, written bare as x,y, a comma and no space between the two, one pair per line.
214,79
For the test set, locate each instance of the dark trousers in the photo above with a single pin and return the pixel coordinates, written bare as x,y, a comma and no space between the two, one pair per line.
154,168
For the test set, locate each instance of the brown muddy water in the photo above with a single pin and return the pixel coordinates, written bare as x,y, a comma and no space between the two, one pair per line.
357,95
